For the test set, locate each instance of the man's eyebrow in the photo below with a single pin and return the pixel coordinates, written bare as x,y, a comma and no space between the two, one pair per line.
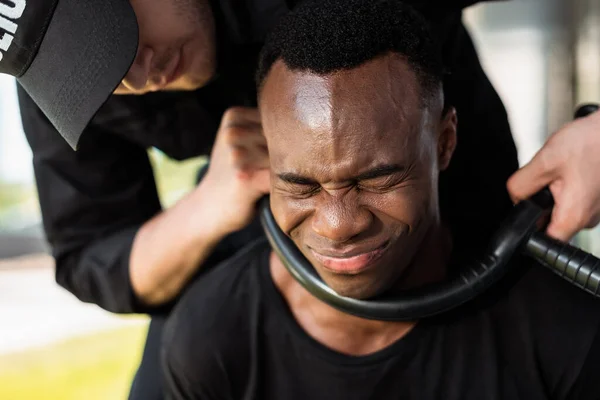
377,172
296,179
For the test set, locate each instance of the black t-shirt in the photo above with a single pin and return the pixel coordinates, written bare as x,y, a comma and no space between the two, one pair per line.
232,336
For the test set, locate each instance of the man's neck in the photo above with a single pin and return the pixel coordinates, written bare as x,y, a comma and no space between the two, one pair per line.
349,334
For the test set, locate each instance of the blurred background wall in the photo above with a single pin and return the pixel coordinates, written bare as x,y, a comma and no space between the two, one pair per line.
543,57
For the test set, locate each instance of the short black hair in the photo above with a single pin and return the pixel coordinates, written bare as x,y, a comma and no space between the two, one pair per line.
325,36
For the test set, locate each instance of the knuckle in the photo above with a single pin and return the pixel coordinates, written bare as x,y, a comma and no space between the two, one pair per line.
237,157
234,115
234,134
512,185
230,115
547,158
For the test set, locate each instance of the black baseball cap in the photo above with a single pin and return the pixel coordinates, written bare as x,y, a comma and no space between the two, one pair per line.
69,55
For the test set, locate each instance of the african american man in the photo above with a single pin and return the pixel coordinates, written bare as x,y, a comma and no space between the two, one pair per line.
355,89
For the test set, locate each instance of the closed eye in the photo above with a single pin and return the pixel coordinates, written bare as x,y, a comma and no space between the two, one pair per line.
380,184
299,190
297,185
385,182
295,179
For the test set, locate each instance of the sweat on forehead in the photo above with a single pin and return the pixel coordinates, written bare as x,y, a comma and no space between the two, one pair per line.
340,114
384,90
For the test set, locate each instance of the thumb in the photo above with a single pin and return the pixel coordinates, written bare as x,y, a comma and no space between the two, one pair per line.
563,224
531,178
560,229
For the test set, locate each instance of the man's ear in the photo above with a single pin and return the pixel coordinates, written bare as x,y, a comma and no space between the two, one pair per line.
447,138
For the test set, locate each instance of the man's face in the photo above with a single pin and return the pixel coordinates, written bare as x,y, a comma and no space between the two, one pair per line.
355,159
177,49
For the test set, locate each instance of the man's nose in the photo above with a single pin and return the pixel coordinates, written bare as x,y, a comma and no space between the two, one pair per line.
340,219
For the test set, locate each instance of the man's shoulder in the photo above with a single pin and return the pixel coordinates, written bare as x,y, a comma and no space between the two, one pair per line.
209,332
227,290
219,304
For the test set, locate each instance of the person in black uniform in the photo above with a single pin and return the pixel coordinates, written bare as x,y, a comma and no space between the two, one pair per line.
112,244
354,87
193,60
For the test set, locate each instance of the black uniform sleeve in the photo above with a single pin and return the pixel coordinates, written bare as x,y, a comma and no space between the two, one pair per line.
92,201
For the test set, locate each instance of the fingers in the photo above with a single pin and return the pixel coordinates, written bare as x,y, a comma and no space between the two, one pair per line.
538,173
249,135
567,219
576,208
261,181
240,152
240,116
547,169
121,89
257,182
242,134
249,158
568,164
138,74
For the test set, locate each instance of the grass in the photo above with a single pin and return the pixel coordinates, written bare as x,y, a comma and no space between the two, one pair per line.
95,367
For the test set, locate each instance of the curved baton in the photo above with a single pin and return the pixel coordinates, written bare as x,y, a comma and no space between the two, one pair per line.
569,262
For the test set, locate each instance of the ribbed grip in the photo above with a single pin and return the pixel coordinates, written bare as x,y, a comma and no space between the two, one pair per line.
572,264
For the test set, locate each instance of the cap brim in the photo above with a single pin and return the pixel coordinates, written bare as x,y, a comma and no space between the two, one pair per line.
86,52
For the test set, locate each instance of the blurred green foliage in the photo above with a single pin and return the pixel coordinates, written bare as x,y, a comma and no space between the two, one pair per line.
174,178
19,205
94,367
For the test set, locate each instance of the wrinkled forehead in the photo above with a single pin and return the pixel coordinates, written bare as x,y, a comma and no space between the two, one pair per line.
372,107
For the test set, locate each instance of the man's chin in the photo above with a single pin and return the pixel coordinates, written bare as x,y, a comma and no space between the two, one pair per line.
353,286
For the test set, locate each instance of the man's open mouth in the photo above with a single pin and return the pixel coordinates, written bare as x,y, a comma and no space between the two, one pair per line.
350,263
